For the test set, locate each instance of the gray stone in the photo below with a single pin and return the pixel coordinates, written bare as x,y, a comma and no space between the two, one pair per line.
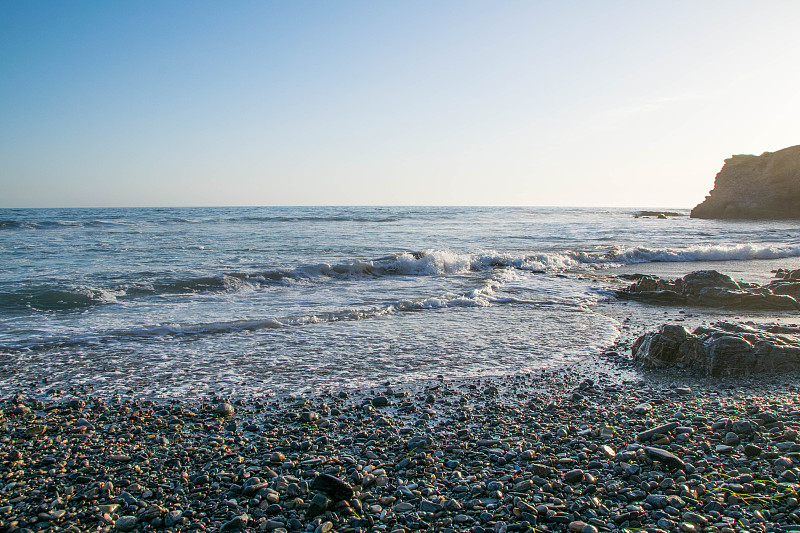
319,504
237,523
125,523
668,458
663,429
419,442
223,409
722,350
427,506
336,488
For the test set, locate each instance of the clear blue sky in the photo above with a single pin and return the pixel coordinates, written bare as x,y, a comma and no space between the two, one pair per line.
415,102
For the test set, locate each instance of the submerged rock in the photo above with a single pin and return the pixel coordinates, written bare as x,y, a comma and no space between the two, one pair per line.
756,187
657,214
709,288
723,350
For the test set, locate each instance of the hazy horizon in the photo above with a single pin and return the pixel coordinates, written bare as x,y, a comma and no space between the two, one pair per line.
619,104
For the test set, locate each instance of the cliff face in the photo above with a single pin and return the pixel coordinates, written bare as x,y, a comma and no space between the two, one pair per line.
756,187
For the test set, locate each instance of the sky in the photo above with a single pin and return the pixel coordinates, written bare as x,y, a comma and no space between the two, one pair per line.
573,103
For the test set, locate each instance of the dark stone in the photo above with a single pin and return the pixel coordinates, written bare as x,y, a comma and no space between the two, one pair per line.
709,288
419,442
319,504
668,458
240,522
380,401
660,430
722,350
333,487
430,507
574,476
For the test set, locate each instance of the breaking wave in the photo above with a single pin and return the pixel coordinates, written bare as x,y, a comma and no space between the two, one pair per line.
483,296
425,263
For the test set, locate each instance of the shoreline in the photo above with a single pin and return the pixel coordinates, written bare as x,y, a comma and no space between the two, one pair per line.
555,450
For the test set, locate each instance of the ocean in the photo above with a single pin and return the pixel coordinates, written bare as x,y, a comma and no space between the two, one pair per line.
181,302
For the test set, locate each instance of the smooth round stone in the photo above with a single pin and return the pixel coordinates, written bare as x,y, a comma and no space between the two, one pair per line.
574,476
309,416
125,523
380,401
731,438
576,526
277,457
224,409
324,527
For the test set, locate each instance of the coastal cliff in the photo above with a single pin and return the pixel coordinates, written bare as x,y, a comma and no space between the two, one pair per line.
756,187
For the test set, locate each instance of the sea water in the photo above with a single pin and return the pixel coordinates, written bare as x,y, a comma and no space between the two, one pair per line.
176,302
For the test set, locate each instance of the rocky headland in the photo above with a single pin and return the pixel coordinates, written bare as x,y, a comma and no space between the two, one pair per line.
756,187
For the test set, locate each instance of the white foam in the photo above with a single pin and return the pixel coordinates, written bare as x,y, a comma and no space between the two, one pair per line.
733,252
432,263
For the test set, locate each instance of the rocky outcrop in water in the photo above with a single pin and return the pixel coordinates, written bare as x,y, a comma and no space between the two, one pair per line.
709,288
722,350
756,187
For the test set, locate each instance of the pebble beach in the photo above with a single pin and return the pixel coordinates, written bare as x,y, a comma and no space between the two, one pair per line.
600,446
225,378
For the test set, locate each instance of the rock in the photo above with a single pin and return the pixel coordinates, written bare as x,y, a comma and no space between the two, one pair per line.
574,476
427,506
319,504
657,214
173,518
660,430
694,518
751,450
755,187
125,523
309,417
607,451
223,409
659,501
576,526
324,527
722,350
333,487
767,417
239,522
709,288
380,401
419,443
152,512
668,458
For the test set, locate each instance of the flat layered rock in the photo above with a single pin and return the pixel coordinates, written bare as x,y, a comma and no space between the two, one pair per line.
724,349
709,288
